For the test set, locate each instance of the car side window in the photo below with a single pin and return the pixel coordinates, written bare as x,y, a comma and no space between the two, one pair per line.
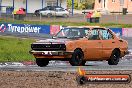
105,34
93,34
52,8
59,9
62,9
83,32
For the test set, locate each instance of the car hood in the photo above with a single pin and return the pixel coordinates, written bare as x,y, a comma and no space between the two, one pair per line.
53,41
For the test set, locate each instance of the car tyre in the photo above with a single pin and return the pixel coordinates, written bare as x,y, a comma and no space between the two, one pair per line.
37,14
41,62
114,58
65,15
49,15
77,58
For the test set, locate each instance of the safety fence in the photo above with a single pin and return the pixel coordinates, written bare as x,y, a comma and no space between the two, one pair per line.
119,19
29,29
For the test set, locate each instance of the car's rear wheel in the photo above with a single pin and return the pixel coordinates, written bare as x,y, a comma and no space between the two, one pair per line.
41,62
37,14
77,58
114,58
49,15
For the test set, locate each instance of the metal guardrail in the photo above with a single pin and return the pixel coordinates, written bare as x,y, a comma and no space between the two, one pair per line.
117,12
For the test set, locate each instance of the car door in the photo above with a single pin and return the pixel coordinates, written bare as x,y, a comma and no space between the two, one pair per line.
52,11
45,12
108,42
93,45
59,12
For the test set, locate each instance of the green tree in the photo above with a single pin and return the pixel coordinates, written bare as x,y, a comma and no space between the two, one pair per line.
81,4
69,2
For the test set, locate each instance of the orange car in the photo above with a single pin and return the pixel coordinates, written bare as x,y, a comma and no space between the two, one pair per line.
80,44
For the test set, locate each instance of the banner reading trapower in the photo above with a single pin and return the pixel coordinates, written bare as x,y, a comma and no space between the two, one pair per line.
24,28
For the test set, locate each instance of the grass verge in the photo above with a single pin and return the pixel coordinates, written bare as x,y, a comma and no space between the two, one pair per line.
66,23
15,49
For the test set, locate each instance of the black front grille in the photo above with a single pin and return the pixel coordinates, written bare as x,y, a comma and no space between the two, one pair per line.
48,47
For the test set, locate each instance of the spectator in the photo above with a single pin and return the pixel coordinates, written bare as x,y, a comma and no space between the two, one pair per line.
19,14
96,16
88,16
21,11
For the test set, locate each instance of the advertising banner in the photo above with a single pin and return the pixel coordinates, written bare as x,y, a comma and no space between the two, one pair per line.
118,31
54,29
49,29
24,28
127,32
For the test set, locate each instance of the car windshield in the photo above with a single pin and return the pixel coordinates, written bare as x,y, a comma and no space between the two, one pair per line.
72,33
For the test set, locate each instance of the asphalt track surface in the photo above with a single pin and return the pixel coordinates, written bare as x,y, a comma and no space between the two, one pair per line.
124,64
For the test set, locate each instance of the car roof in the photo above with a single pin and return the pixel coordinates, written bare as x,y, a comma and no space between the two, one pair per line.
54,6
83,27
90,27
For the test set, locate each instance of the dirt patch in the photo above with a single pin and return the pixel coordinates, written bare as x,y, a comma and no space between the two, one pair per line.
14,79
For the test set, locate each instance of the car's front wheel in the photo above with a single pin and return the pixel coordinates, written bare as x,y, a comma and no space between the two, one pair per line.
41,62
77,58
65,15
114,58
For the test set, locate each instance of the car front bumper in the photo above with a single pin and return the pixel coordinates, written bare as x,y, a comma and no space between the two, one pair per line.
127,52
123,53
51,53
